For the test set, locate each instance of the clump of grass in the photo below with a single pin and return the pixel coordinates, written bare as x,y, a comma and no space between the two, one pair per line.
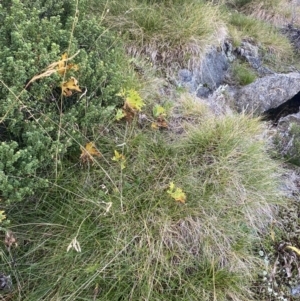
136,242
167,31
276,12
245,27
243,74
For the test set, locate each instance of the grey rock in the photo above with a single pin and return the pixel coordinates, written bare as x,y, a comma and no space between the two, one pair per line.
203,92
293,35
250,53
207,76
229,51
295,291
247,49
212,69
185,75
5,282
284,122
267,92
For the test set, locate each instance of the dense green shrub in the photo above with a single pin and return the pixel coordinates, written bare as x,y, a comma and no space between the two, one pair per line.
38,124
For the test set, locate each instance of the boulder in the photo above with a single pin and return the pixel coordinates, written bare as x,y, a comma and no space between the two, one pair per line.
267,93
207,76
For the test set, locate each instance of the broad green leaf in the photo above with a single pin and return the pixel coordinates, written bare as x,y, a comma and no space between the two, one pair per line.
119,158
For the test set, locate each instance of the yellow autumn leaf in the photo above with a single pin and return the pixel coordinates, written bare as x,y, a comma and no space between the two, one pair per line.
296,250
123,165
73,67
69,86
88,152
119,158
2,216
176,193
133,100
171,186
62,66
154,126
52,68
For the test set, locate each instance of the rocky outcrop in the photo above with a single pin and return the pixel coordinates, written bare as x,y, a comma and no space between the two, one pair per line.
266,93
250,53
293,35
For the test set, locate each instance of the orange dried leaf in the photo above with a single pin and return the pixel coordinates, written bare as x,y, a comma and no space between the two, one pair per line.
62,65
159,124
89,152
128,113
69,86
52,68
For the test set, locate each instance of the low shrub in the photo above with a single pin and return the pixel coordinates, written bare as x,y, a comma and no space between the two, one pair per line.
39,124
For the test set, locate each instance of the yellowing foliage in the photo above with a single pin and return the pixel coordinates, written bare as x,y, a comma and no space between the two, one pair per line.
2,216
133,103
62,66
160,123
55,67
296,250
89,152
119,158
176,193
69,86
134,100
159,113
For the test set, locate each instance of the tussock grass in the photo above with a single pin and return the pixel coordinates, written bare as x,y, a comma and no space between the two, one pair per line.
167,31
243,74
276,12
246,27
137,243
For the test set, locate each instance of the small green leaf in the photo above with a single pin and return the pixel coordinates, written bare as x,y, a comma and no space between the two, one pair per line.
158,111
120,114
